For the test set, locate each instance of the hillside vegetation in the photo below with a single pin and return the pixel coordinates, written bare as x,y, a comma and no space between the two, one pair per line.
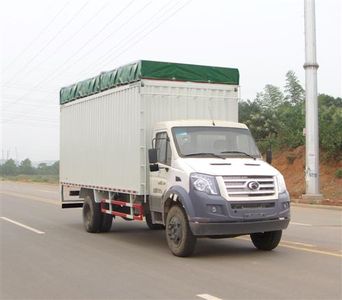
276,118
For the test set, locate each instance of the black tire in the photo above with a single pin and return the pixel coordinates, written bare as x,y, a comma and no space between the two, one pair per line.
179,237
106,223
92,217
267,240
152,226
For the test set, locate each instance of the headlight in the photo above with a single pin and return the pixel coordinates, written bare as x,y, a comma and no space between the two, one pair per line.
204,183
281,184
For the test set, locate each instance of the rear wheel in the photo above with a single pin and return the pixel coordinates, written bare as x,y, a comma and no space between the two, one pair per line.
267,240
106,223
93,219
179,237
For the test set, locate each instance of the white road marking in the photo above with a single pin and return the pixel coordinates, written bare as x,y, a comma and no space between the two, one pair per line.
301,224
23,225
208,297
298,243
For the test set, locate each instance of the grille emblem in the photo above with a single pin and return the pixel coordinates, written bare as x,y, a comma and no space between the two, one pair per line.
253,185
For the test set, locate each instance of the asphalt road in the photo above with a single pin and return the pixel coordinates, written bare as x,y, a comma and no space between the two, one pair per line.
54,258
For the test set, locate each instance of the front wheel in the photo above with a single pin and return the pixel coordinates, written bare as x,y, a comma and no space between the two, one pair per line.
179,237
267,240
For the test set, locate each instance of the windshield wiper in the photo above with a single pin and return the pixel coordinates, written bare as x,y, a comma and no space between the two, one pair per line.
204,153
240,152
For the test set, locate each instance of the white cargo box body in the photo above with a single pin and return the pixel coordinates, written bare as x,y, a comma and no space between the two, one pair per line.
105,136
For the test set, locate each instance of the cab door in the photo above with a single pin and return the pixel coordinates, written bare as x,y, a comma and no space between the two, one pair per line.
159,179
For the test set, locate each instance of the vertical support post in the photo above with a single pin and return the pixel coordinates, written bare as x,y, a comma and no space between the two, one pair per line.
311,106
143,145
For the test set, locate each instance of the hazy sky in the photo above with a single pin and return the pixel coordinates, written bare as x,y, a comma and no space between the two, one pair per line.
49,44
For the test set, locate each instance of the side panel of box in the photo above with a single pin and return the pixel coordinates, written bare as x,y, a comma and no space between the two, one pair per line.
169,101
100,140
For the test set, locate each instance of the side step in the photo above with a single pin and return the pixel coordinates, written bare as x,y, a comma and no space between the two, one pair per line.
132,211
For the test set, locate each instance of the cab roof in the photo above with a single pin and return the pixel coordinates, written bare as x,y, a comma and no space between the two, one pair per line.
199,123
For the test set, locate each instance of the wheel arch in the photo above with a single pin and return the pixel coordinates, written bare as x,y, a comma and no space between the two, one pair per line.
177,195
86,192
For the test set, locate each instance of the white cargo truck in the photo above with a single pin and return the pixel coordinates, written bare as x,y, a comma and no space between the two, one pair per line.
161,143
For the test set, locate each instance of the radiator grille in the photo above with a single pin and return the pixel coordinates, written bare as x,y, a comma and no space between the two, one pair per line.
249,186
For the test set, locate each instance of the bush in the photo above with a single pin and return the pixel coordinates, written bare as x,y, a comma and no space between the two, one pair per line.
338,173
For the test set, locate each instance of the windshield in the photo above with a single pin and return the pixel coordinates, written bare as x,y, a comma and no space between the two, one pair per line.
214,142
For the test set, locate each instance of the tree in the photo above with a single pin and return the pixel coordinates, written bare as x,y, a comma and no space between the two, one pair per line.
26,168
270,98
55,168
43,169
278,119
294,92
292,121
330,119
260,122
9,168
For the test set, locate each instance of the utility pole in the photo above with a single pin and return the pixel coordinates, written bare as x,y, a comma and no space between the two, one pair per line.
311,106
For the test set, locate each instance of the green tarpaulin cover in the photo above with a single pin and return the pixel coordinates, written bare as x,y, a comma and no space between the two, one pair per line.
145,69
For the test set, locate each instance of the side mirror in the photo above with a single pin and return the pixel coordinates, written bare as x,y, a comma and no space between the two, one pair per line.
154,167
269,156
152,156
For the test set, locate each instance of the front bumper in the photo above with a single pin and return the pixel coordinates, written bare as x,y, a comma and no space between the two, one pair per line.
237,228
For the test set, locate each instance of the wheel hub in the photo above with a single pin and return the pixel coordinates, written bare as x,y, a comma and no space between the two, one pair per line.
175,230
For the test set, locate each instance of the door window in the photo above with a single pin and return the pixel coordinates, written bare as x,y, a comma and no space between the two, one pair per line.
163,148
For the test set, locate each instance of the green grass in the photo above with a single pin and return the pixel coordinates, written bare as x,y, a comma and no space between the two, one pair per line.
53,179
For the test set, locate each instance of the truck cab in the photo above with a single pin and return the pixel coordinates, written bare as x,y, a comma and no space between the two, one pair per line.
208,179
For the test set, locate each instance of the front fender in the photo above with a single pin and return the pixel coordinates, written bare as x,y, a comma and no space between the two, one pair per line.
177,193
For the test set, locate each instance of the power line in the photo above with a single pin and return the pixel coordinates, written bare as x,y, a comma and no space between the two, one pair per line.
111,33
82,27
34,119
89,40
92,38
37,36
147,33
146,24
151,30
34,104
61,70
134,33
19,87
48,43
35,124
58,71
22,114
